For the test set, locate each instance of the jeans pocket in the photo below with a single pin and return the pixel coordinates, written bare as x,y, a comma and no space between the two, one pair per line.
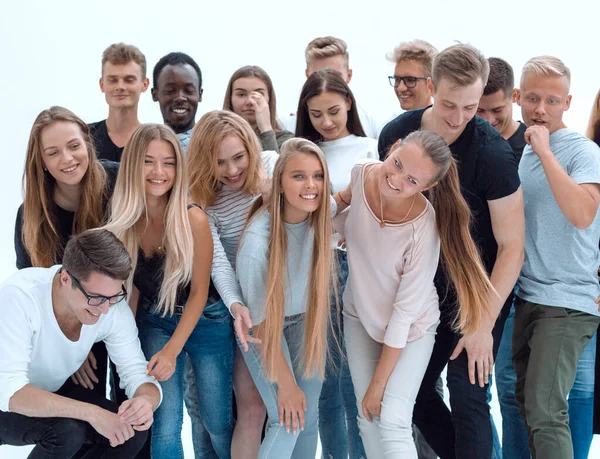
216,312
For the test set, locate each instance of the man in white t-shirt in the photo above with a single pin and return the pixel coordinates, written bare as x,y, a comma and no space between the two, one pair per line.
332,53
49,320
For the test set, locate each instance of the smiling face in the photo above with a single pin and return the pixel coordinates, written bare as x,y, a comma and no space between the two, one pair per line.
412,98
240,97
454,106
496,109
178,94
160,166
64,152
233,162
543,100
122,84
407,171
302,185
328,113
96,284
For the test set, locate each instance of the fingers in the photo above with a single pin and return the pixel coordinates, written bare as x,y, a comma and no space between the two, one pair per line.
301,418
124,407
281,413
288,420
83,380
295,421
237,325
458,349
89,372
74,379
92,360
132,414
366,413
150,367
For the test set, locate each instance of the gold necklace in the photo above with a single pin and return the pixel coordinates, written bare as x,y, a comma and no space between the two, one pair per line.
382,222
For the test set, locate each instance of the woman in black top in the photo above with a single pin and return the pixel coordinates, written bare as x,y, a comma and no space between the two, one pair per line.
66,191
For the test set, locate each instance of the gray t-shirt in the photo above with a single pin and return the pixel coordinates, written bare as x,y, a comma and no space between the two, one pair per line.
252,265
561,262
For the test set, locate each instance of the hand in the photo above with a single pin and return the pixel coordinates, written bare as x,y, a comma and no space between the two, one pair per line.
137,412
342,242
85,375
111,426
479,347
539,139
598,303
261,111
162,364
371,404
242,325
291,403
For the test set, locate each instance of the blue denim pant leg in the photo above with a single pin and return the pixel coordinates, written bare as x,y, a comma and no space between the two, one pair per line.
515,442
497,446
154,333
279,444
338,426
581,402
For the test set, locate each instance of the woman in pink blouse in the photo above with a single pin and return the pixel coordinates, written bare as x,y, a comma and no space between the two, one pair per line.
393,236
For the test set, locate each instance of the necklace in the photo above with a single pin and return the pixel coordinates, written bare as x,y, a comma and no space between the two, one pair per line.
382,222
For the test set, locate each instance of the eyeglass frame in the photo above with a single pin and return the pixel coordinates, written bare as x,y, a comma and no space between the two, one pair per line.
89,297
392,80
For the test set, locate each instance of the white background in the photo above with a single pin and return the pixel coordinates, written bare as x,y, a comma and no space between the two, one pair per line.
51,53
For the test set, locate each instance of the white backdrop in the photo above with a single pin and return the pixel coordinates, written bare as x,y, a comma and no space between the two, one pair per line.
51,52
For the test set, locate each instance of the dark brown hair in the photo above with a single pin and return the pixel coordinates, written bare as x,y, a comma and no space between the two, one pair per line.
325,80
501,78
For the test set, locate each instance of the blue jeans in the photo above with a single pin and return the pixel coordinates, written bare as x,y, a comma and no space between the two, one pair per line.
211,349
338,426
515,443
279,444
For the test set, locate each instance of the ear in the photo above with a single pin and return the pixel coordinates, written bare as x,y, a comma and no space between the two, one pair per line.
348,104
306,72
146,84
516,95
430,86
430,186
200,92
154,93
101,83
568,102
349,76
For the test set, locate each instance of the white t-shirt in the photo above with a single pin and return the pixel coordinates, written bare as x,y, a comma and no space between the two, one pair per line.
34,350
343,154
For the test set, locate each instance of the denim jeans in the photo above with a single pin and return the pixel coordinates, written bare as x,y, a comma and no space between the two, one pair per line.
65,437
338,426
466,431
279,444
211,348
515,442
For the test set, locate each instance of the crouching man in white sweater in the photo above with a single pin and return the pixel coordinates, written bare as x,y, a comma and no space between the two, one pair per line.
49,320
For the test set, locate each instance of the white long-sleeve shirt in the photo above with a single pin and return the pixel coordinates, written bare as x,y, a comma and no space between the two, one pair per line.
34,350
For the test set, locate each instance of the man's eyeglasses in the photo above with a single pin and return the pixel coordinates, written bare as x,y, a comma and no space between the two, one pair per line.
98,300
409,81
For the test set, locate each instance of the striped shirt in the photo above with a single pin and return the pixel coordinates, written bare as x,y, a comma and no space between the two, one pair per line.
227,218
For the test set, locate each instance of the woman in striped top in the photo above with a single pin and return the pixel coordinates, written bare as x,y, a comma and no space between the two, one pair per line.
227,172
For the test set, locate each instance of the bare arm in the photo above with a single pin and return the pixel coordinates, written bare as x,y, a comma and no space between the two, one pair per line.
577,202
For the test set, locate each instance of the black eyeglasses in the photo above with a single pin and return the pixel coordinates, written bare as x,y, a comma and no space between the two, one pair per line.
409,81
98,300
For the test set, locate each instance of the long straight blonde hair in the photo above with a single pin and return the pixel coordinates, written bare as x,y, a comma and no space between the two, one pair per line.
129,213
203,150
323,278
40,234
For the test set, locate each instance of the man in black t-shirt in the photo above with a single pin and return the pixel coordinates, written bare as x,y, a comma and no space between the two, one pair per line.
490,184
496,105
123,80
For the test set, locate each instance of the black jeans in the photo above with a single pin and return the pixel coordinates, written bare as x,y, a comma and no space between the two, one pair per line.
64,437
466,431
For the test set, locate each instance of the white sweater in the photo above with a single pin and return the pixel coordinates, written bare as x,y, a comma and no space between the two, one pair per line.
343,154
34,350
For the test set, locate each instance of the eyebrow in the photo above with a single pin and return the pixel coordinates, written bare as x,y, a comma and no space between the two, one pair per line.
315,110
397,158
74,139
304,172
168,157
130,75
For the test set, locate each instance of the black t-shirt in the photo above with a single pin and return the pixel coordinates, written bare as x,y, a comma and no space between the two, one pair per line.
105,148
487,169
517,141
63,219
148,278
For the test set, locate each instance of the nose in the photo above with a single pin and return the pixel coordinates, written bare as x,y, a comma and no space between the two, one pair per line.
157,167
401,86
180,95
457,118
309,183
103,308
231,169
67,154
540,107
327,121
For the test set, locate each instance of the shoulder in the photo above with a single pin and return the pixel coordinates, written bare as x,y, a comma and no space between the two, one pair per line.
111,168
97,126
258,230
284,135
198,218
269,158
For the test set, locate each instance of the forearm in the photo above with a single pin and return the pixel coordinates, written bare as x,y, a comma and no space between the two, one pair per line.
387,362
189,319
504,277
576,204
38,403
150,392
285,377
343,198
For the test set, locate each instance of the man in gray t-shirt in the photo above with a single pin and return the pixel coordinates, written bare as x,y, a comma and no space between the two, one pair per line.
555,311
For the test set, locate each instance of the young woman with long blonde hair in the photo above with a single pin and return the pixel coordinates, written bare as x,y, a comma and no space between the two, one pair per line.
178,310
286,270
66,191
391,307
227,174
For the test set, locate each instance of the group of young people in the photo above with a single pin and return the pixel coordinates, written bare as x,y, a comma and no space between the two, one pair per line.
290,282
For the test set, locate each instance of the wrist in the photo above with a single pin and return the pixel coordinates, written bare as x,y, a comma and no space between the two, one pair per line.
91,413
264,127
343,199
173,348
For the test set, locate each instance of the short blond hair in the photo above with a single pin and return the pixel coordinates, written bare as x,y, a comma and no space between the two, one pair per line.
323,47
420,51
462,64
121,54
548,66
